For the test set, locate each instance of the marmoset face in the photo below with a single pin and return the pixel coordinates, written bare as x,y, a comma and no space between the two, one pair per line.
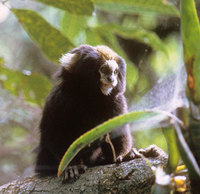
108,76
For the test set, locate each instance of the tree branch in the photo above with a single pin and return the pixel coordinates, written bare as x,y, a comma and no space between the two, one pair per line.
134,176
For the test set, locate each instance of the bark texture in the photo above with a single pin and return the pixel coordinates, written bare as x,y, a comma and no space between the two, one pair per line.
132,177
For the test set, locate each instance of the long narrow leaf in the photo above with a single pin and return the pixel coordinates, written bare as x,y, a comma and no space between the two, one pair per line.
136,33
72,25
190,30
137,6
52,42
99,131
173,157
80,7
186,154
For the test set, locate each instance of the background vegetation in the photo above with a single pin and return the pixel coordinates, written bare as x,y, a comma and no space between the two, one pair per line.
34,35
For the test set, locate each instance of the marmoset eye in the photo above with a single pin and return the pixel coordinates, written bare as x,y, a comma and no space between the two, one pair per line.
116,71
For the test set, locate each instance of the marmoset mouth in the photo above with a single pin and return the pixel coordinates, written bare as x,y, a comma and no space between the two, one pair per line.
107,85
103,84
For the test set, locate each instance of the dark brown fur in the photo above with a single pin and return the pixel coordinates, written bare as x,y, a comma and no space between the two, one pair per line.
76,105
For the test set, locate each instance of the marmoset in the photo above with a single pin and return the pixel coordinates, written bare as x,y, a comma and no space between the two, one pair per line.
89,91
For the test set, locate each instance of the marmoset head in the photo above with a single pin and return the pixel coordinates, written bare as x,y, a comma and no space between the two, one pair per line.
98,65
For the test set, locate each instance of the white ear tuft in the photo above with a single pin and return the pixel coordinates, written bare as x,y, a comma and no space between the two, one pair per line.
67,60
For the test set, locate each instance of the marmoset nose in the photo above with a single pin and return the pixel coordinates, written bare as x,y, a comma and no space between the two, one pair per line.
110,79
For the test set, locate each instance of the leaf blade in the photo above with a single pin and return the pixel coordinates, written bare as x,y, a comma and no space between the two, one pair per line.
72,25
137,6
173,157
140,34
190,30
99,131
186,153
52,42
81,7
34,88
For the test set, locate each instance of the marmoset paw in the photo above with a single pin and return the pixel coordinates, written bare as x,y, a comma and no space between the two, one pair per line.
151,151
73,172
129,156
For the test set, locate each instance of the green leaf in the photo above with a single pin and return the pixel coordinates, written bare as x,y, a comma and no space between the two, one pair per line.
34,88
131,75
191,44
187,155
173,158
52,42
73,25
93,37
100,131
142,35
137,33
138,6
80,7
1,61
165,64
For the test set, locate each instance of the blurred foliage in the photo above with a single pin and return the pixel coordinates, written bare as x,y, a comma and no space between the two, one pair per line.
33,87
169,59
137,6
1,61
191,41
190,147
73,25
50,40
143,139
17,137
136,33
134,29
82,7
